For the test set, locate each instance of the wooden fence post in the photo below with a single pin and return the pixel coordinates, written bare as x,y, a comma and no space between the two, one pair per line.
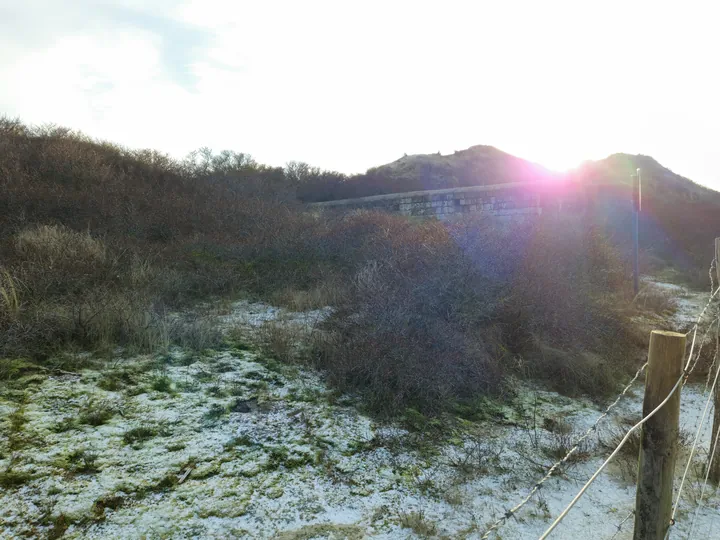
714,461
658,442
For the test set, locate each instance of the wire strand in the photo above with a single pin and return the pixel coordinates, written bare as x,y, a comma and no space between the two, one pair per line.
509,513
577,497
715,356
687,370
620,525
694,446
705,481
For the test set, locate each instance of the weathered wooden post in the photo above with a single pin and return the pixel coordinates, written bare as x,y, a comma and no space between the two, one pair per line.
714,460
658,441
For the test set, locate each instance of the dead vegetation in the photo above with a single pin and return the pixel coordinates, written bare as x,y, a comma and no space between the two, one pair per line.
655,299
100,244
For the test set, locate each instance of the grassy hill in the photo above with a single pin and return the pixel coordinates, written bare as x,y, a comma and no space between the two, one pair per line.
679,221
478,165
679,218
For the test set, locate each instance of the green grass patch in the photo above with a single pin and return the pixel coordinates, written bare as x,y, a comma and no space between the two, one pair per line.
12,479
95,413
162,383
139,435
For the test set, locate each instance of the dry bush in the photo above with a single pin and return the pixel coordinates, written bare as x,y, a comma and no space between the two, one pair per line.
284,341
198,334
655,299
53,261
562,439
438,309
477,457
76,292
97,241
575,372
100,241
410,331
319,296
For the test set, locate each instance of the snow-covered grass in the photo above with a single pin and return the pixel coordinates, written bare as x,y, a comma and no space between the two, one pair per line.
687,303
231,444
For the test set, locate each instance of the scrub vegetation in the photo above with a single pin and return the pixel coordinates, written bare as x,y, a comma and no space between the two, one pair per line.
100,244
185,348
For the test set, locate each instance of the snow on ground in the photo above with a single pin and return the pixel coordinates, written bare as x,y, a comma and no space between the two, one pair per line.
688,304
255,314
230,444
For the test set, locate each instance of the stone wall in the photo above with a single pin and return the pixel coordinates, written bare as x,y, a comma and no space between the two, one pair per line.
511,200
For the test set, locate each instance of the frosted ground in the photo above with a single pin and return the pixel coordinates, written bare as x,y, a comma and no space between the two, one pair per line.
231,444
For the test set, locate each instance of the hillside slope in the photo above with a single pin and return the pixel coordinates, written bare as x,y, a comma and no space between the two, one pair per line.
679,219
478,165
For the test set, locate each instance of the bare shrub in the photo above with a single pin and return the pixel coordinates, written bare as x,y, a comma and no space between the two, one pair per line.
198,334
97,239
655,299
319,296
562,439
283,341
574,371
436,311
475,458
409,333
418,523
101,241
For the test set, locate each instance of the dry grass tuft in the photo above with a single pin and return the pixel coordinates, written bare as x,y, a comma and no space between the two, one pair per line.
52,245
418,523
655,299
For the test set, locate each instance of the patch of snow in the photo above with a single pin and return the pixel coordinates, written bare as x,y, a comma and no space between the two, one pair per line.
297,459
255,314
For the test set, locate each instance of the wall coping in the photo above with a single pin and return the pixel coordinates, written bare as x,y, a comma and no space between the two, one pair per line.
445,191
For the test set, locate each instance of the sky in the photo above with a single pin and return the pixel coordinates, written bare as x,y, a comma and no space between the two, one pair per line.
347,85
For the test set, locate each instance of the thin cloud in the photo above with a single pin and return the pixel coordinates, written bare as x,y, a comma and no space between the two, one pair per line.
350,87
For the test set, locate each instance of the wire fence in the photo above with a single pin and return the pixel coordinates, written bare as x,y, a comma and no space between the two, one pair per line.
693,359
620,525
576,445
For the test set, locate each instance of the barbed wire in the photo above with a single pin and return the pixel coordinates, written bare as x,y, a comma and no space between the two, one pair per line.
694,445
715,356
620,525
700,348
713,266
705,481
683,378
713,448
512,511
687,370
702,314
609,459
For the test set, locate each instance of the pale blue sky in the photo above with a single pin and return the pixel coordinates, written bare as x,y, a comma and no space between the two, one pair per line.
350,85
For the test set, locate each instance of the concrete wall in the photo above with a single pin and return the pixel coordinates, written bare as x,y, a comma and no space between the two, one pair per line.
511,200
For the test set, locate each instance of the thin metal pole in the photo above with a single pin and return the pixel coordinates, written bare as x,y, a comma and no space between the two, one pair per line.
636,231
